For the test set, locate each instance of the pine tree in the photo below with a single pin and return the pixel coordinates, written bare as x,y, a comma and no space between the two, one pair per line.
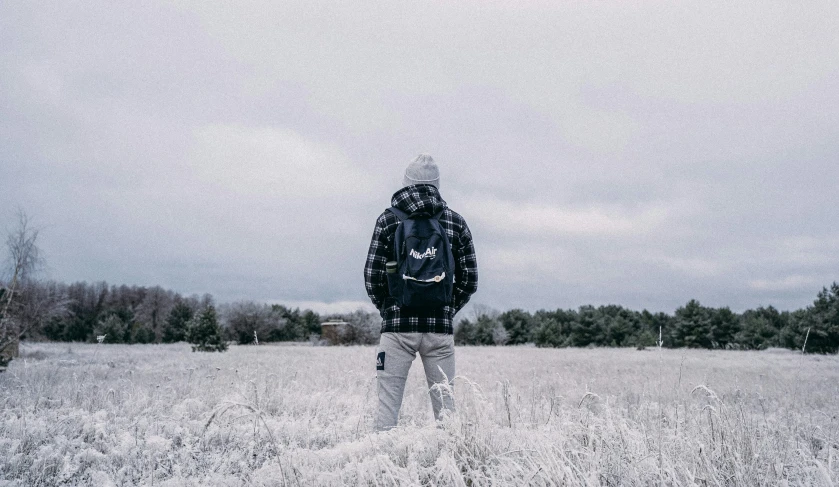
552,328
175,329
204,332
588,328
692,326
725,325
312,322
760,328
518,324
464,333
821,320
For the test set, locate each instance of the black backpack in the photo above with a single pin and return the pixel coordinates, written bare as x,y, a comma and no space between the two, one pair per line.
424,273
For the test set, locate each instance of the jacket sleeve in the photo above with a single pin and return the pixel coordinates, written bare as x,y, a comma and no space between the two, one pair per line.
466,269
375,277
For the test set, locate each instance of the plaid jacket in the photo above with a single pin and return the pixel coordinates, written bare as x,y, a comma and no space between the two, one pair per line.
412,199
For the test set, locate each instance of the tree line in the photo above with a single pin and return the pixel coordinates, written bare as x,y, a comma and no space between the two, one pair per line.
692,326
47,310
136,314
139,314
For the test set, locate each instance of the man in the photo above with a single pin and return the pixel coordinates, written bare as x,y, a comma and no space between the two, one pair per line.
408,330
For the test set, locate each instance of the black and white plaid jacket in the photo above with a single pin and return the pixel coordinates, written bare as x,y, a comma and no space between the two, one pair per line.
411,199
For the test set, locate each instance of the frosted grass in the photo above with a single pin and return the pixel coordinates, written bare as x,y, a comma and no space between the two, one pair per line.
278,415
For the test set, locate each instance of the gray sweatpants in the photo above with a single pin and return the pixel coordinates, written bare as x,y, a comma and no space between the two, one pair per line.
394,356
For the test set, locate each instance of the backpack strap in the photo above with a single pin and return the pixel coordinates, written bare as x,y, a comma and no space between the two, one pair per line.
399,213
404,216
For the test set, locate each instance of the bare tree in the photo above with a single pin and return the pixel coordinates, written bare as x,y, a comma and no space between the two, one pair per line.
247,321
154,309
363,327
23,303
36,304
480,310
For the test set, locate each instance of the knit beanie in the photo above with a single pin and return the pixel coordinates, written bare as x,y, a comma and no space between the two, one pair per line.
422,170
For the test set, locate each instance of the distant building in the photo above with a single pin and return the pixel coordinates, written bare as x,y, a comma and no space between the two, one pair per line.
333,330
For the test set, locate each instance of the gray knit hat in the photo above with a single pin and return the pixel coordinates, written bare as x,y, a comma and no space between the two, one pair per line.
422,170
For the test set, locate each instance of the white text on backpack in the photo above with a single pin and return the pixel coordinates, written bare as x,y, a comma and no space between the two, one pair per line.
431,252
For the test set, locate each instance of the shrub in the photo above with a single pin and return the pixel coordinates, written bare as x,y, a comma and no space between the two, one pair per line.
143,334
485,331
362,328
204,332
114,329
246,318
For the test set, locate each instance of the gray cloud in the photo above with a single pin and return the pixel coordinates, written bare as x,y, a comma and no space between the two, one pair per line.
610,153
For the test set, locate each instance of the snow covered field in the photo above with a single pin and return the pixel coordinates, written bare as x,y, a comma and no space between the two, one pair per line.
301,415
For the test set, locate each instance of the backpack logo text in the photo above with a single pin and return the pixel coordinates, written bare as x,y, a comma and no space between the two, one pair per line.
430,252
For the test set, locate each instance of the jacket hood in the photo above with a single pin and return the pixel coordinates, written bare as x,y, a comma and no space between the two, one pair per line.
418,198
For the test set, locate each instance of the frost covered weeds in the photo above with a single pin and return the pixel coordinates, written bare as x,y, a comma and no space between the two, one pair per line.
88,414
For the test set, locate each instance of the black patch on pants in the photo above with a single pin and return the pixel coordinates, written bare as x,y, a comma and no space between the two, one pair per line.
380,361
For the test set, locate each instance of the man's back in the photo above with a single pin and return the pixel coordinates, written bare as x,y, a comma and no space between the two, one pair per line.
415,199
426,330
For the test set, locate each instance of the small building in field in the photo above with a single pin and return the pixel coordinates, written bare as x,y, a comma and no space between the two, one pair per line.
333,330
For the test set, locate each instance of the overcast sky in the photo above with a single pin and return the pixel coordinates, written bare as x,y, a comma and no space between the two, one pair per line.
636,153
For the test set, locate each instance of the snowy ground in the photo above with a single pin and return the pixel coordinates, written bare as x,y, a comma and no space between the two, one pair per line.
301,415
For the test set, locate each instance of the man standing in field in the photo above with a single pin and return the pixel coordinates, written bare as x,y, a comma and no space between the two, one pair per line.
415,295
